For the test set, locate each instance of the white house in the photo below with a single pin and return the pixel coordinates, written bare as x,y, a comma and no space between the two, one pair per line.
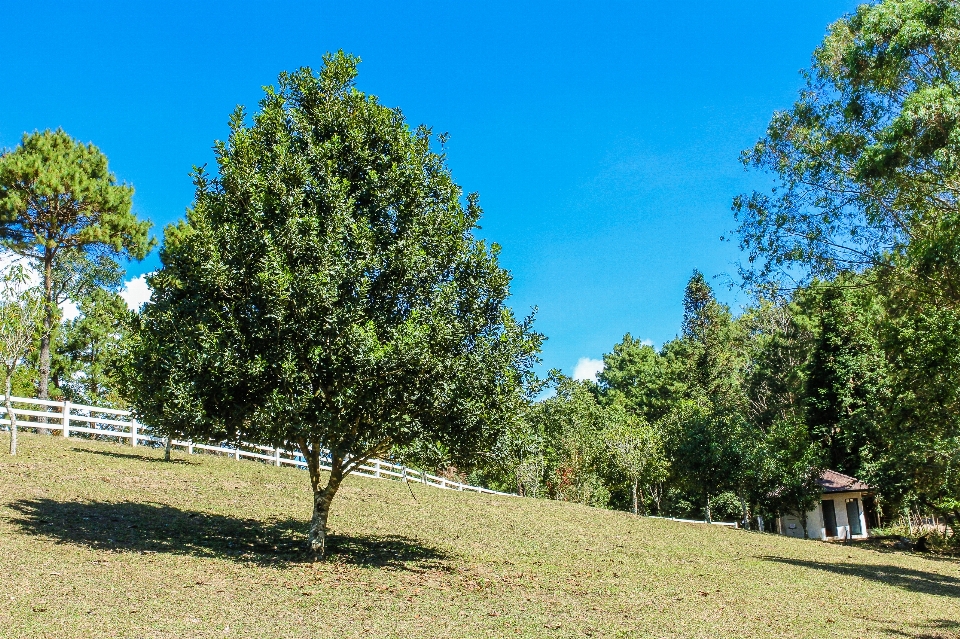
839,515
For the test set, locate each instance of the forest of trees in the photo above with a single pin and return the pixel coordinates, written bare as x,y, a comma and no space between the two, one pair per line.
736,417
326,291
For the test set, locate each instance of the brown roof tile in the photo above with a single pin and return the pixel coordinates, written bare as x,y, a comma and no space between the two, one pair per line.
833,482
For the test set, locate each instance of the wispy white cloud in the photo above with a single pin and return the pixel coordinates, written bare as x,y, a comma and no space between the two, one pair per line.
647,342
587,368
136,292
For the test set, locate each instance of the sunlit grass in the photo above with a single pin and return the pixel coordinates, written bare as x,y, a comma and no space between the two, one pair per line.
103,540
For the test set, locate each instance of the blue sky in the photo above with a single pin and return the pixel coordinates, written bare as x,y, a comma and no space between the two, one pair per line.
602,137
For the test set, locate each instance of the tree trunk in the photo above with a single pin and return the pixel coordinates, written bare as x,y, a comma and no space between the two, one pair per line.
656,492
636,510
11,417
745,521
709,518
322,497
44,383
321,511
43,391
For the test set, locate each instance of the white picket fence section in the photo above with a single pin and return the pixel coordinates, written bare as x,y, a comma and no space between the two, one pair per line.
698,521
70,419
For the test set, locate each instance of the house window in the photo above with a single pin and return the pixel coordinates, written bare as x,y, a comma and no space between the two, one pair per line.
829,518
853,516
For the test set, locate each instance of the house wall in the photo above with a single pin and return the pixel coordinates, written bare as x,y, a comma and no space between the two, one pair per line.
791,525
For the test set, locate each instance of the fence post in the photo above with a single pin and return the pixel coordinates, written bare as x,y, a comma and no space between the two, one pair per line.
237,453
377,466
65,420
133,432
190,447
277,458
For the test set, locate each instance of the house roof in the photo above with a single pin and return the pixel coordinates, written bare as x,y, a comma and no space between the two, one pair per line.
833,482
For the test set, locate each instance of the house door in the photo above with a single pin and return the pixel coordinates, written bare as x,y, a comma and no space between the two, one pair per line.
853,517
829,518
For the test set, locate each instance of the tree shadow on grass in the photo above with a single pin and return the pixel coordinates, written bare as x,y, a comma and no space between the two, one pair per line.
935,629
140,527
146,458
930,583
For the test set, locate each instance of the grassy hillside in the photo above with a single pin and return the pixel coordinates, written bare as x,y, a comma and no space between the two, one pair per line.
102,540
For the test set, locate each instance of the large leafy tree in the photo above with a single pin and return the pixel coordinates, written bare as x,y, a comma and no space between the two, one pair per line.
326,291
60,204
916,460
867,178
866,161
636,375
571,426
846,393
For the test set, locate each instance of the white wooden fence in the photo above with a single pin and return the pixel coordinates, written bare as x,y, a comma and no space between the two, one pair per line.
699,521
71,419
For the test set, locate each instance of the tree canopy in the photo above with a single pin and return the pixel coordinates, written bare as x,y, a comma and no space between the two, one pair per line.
326,291
866,161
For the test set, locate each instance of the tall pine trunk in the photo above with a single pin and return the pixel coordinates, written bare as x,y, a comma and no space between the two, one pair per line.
709,518
43,390
10,415
636,510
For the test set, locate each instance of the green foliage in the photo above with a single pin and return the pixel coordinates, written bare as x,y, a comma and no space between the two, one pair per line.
58,194
20,314
846,378
59,206
326,290
864,214
708,438
794,463
867,159
569,427
636,451
91,351
918,454
636,375
573,446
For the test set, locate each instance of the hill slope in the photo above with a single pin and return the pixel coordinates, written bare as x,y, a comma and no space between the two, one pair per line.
101,540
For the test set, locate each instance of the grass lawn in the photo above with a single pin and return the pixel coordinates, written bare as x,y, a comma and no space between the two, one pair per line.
104,540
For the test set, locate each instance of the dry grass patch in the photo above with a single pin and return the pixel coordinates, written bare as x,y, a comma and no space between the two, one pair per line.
101,540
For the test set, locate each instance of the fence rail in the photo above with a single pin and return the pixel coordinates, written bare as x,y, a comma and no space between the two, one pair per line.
65,416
